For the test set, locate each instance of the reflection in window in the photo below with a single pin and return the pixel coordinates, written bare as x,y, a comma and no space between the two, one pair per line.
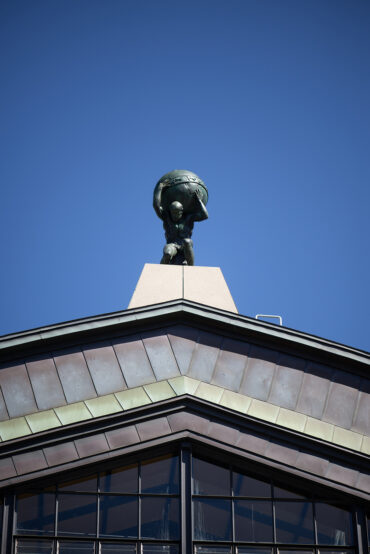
76,514
84,484
212,519
34,546
114,548
328,551
123,479
253,521
201,549
35,514
210,478
119,516
244,485
253,550
292,551
294,522
160,476
160,548
160,518
69,547
287,493
334,525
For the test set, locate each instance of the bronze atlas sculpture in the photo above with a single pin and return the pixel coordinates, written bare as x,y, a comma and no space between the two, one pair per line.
180,198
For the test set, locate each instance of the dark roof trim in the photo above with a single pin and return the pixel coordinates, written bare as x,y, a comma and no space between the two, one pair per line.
177,310
194,406
176,404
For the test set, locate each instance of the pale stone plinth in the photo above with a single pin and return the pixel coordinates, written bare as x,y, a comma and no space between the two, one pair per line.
162,283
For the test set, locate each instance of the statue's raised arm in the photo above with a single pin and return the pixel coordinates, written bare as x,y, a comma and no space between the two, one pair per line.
180,199
157,199
201,214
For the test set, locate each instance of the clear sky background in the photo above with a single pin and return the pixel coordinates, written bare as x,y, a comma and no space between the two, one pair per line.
268,101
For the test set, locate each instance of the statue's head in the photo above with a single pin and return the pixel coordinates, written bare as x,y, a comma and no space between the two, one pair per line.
176,210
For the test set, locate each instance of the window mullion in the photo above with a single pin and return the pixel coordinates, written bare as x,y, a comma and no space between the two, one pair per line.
360,530
7,524
185,491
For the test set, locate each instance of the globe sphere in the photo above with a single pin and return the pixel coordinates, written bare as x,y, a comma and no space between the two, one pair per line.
182,185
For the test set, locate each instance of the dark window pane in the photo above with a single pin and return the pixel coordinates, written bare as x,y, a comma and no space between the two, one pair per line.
123,479
248,486
253,520
253,550
86,484
29,546
77,514
200,549
160,475
334,525
35,513
80,547
160,518
118,516
114,548
212,519
210,478
368,529
294,522
328,551
295,551
288,493
160,549
1,516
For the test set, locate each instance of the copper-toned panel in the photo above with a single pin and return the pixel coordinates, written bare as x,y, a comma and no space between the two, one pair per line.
3,411
315,387
186,421
287,383
122,437
30,461
17,391
74,375
133,361
45,383
160,355
312,464
342,474
342,400
284,454
183,340
204,357
363,482
60,453
104,368
259,372
230,365
361,423
89,446
7,469
224,433
252,443
153,429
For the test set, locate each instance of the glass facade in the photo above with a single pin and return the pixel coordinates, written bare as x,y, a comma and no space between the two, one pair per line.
148,507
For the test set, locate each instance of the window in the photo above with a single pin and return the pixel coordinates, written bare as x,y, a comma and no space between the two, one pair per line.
258,516
150,505
122,510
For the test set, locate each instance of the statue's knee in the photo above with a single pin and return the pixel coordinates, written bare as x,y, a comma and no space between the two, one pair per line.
188,243
169,250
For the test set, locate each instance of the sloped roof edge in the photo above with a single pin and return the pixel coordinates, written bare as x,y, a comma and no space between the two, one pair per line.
185,310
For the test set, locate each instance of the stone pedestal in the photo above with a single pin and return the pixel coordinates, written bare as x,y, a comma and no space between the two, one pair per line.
161,283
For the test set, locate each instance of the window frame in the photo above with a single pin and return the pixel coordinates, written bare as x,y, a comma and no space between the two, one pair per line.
187,545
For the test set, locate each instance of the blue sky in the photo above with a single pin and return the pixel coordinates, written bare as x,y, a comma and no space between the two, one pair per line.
266,100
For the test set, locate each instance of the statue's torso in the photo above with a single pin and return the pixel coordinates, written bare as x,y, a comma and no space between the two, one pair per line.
176,232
